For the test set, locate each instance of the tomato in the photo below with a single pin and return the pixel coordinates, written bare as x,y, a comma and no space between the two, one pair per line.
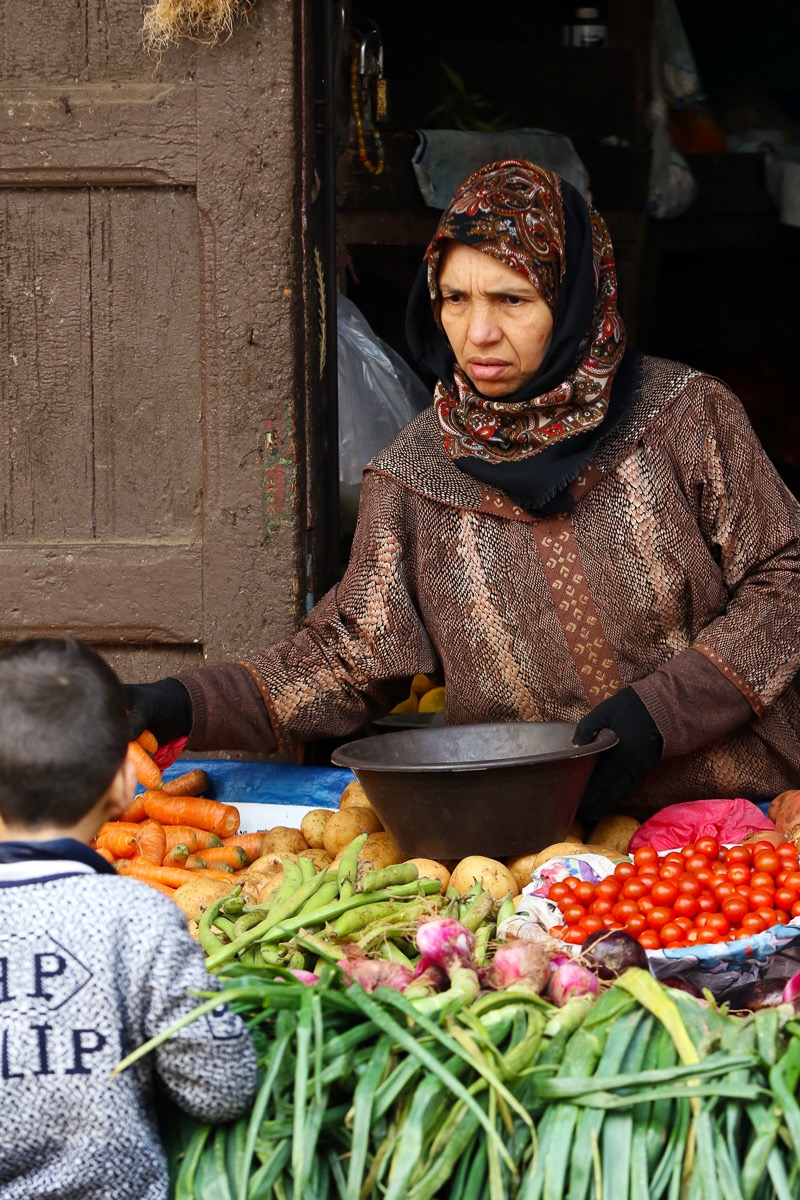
708,846
646,904
706,874
601,907
585,892
739,873
687,851
762,879
609,888
719,867
781,918
571,882
692,936
685,923
575,936
671,932
767,916
573,913
557,931
696,862
722,888
752,923
735,908
689,884
707,903
786,850
767,861
762,847
719,923
738,854
591,923
664,892
648,878
784,898
743,890
674,856
558,892
623,910
685,906
645,856
636,924
658,916
671,871
634,889
760,898
705,937
624,870
796,909
649,939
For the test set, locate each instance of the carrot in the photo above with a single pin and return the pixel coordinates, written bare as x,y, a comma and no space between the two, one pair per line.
195,862
222,856
119,842
251,843
106,854
222,819
193,783
224,876
180,835
135,810
206,840
159,887
176,856
147,741
147,772
151,841
142,868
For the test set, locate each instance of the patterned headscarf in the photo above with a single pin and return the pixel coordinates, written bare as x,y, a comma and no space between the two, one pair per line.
531,220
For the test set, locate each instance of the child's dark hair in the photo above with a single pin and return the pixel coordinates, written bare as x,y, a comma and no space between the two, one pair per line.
63,731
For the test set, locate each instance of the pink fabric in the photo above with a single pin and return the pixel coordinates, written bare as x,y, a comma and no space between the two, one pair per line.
681,824
165,755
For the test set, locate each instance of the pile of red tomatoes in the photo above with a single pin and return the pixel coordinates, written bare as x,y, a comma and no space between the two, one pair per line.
701,894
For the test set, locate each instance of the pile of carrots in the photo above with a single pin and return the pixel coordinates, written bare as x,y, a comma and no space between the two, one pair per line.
171,831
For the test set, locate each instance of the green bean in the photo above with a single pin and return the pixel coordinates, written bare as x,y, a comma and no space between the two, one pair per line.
348,866
277,913
205,935
483,936
506,909
326,894
307,868
783,1079
376,881
477,911
357,919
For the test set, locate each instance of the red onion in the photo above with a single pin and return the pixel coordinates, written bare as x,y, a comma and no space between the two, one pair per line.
518,963
447,943
791,991
372,973
304,976
570,980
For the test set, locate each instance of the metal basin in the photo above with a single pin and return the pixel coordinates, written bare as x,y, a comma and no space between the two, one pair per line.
494,789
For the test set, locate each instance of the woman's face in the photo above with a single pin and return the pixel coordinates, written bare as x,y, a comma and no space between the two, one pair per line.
498,325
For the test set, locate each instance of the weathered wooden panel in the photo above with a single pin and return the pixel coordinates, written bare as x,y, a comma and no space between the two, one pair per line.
101,593
146,387
97,134
69,40
46,475
246,103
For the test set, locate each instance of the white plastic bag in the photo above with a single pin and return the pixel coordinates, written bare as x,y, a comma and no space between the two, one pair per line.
378,395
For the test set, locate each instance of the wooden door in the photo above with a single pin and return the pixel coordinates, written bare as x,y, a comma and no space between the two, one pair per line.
151,334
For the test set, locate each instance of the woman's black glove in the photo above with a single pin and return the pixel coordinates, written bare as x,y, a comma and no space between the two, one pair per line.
164,707
619,771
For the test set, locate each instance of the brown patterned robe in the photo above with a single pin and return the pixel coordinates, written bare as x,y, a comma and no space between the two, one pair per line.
678,571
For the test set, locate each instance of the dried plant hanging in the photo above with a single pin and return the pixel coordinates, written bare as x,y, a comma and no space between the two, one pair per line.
209,21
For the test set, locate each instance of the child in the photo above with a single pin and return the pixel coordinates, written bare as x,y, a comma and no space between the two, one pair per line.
91,964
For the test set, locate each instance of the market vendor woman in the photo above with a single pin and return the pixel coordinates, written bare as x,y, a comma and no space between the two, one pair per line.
571,532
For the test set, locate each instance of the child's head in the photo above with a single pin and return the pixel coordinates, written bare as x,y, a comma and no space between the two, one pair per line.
63,732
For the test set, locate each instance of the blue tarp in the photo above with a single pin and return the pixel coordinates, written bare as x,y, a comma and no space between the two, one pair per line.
268,783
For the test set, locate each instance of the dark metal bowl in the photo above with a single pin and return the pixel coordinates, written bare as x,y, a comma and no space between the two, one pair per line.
498,790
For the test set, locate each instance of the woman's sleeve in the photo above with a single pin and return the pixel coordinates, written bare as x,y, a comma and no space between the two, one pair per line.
748,655
348,663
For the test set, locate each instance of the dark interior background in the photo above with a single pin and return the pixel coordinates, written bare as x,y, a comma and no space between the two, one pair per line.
714,287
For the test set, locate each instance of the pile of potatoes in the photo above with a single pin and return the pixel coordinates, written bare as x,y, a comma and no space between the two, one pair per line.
325,833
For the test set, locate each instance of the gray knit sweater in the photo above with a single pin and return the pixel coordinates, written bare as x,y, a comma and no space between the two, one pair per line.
91,966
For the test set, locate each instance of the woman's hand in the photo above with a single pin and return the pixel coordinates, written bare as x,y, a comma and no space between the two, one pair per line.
619,771
164,707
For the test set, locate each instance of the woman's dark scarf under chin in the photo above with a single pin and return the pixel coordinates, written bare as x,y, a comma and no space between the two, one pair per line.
533,443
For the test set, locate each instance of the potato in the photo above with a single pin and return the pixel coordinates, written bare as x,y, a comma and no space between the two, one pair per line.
495,876
354,796
313,825
522,868
429,868
768,835
347,824
554,851
381,850
283,840
268,863
320,858
194,897
614,831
